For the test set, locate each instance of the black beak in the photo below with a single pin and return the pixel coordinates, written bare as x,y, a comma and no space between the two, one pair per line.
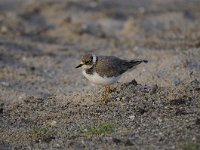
79,66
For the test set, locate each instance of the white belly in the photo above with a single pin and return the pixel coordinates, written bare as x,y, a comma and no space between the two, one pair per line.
95,78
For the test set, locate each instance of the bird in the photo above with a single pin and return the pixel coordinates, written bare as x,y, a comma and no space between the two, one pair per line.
106,70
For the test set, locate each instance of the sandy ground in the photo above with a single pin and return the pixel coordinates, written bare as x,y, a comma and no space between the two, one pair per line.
45,103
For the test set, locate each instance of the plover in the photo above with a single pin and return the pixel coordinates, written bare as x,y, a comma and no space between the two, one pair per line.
105,70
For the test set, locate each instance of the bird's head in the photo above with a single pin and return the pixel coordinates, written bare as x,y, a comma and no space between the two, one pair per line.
87,61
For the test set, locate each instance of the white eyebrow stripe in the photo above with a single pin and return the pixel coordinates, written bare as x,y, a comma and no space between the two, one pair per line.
94,58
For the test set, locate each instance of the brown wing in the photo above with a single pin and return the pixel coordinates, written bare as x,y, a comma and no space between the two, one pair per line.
110,66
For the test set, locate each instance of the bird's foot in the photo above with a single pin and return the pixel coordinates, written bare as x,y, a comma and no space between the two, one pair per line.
105,97
104,100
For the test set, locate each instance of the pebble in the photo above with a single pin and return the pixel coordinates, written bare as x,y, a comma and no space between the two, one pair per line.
154,89
132,117
5,83
53,123
194,139
159,119
57,145
118,98
4,29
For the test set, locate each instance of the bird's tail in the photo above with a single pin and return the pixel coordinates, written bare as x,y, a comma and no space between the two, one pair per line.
136,62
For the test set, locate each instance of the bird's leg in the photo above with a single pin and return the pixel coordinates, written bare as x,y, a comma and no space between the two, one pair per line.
106,95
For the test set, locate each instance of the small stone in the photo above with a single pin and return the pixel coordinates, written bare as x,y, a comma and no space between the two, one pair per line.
57,145
24,58
154,89
194,139
132,117
117,98
53,123
5,83
4,29
22,96
133,82
160,133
